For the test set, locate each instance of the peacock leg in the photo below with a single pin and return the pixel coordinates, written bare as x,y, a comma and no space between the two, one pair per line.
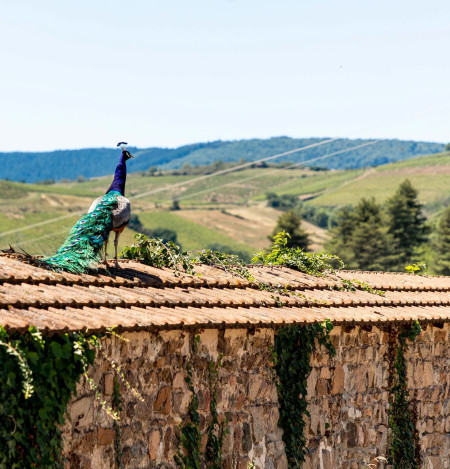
105,254
116,243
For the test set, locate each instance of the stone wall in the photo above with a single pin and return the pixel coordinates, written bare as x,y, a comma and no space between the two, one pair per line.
348,400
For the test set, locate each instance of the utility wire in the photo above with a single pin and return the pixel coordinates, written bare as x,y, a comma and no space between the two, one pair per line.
29,241
303,163
235,168
35,225
224,171
172,186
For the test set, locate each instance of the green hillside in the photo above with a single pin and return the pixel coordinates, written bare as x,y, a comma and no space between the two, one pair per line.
429,175
93,162
228,209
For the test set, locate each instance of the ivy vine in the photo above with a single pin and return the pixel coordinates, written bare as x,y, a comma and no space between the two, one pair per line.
117,401
191,437
291,357
402,452
216,432
38,376
189,454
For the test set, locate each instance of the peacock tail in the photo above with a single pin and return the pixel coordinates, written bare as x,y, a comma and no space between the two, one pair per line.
82,248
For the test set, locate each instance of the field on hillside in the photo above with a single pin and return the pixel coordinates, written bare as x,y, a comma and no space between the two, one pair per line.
228,210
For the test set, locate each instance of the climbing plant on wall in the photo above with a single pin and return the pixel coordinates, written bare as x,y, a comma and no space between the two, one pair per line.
292,351
402,451
189,451
38,376
189,454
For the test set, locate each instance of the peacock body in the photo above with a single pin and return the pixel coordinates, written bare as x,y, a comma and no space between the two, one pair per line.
120,215
83,247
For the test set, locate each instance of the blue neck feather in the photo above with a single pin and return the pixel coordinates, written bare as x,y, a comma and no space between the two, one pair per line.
120,176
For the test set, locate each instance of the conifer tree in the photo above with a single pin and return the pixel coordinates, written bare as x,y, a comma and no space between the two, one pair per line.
406,224
290,222
442,247
360,237
369,242
344,225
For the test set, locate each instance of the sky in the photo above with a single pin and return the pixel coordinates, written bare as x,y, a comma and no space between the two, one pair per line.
82,74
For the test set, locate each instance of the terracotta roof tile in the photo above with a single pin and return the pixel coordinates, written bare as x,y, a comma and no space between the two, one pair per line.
142,297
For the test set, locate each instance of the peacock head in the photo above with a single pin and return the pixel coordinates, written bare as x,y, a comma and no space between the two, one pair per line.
126,154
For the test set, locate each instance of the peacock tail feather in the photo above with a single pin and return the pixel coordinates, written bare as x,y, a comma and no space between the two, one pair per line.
83,247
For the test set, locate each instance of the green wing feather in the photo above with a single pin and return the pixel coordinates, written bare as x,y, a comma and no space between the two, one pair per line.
82,248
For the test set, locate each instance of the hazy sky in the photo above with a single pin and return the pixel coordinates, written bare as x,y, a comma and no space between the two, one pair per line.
164,73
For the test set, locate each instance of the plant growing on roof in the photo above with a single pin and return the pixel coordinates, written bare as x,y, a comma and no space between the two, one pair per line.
296,258
157,253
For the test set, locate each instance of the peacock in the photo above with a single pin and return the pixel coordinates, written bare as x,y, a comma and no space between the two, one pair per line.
82,248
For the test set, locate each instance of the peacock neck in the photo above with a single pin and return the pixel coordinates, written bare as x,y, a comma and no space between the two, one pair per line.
120,176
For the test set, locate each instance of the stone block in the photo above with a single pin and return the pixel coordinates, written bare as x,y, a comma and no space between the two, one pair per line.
209,340
168,443
108,384
255,385
178,380
105,436
258,423
234,340
338,380
88,442
322,387
440,335
163,402
154,440
352,434
427,377
311,383
246,438
82,412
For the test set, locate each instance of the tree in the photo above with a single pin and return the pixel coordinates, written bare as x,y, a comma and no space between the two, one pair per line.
370,242
442,246
290,222
175,205
360,237
447,147
344,225
406,224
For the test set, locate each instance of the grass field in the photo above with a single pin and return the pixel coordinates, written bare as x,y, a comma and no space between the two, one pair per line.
228,209
192,236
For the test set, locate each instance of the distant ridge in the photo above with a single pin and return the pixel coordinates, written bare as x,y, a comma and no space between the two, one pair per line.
92,162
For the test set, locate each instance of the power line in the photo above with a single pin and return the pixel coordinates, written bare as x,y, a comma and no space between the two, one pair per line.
35,225
275,170
259,175
235,168
224,171
194,180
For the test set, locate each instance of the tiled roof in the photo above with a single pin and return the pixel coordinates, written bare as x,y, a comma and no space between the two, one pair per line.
140,297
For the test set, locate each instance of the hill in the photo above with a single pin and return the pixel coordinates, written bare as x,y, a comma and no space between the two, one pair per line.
94,162
226,210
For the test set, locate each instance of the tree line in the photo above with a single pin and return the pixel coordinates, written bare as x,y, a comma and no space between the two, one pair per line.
373,236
